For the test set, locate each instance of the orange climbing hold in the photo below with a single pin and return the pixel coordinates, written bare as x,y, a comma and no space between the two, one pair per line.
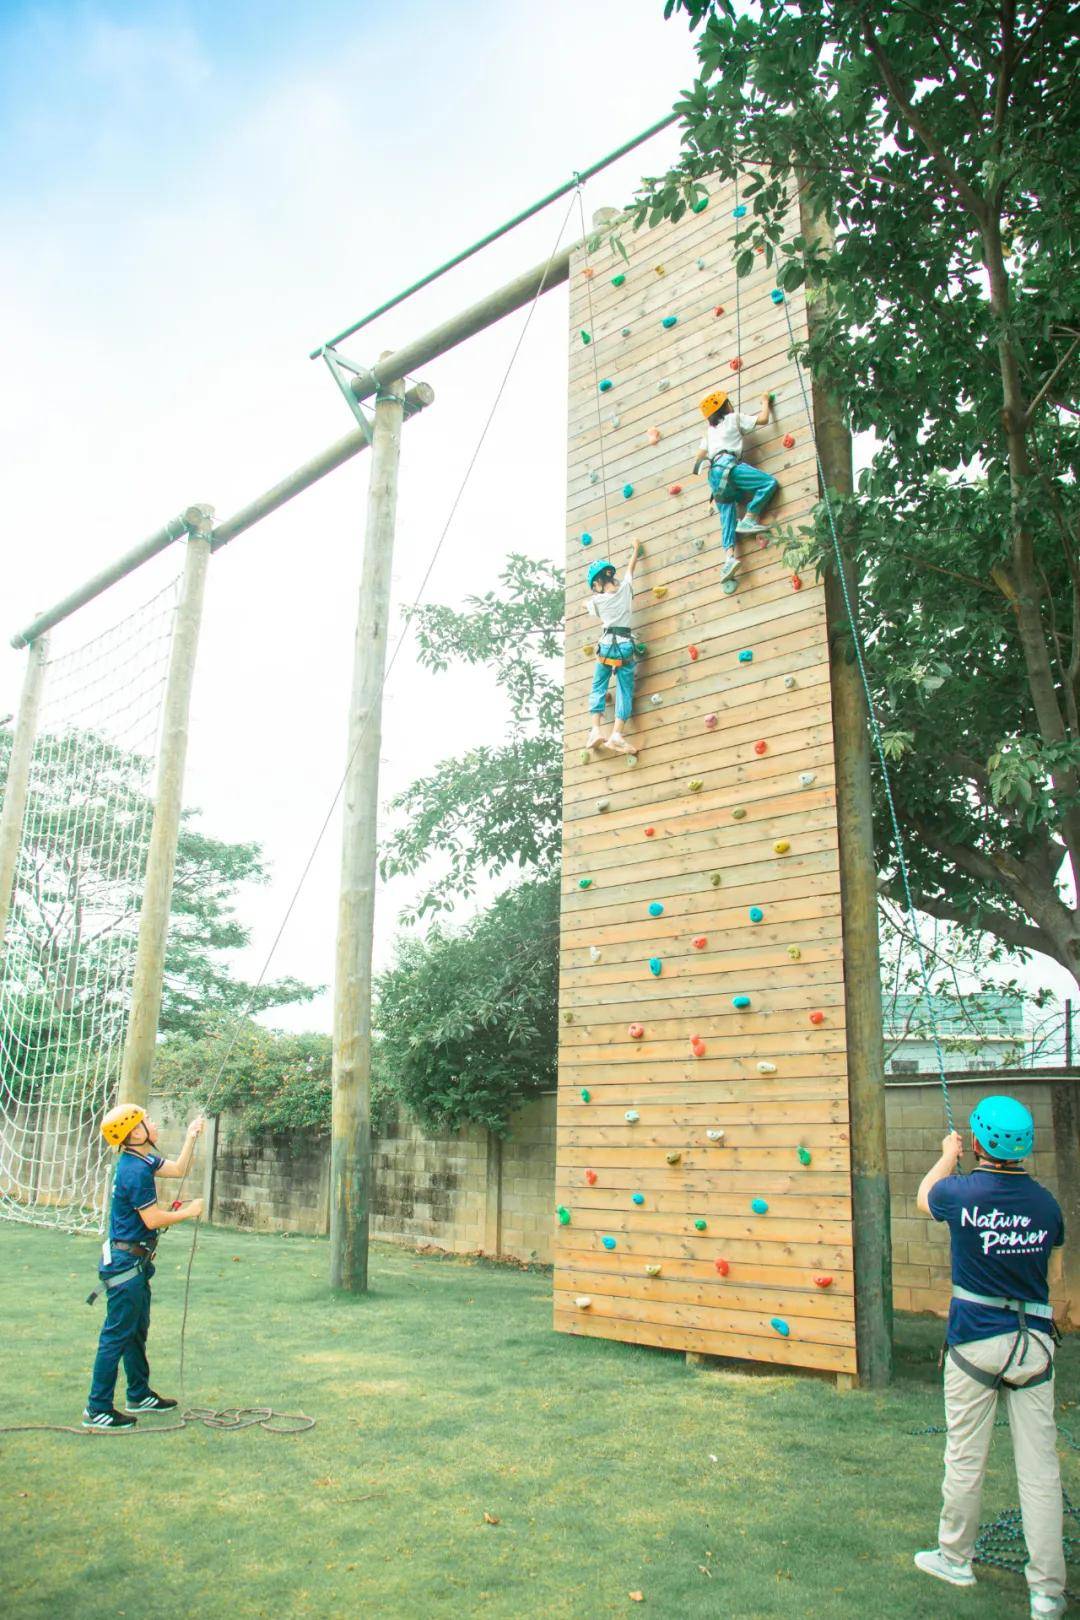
694,654
674,489
699,942
723,1266
822,1282
817,1017
761,748
697,1046
590,1177
588,272
653,435
736,364
636,1031
650,832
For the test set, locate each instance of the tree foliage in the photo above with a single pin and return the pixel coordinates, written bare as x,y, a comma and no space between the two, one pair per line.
937,143
495,809
467,1018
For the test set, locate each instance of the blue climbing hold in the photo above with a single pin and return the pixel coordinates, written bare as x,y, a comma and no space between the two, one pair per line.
669,321
637,1198
740,212
605,384
586,539
655,908
740,1001
608,1242
756,914
759,1206
656,966
780,1325
627,490
746,656
777,295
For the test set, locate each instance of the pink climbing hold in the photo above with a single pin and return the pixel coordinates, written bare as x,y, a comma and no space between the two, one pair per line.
736,364
697,1046
653,435
817,1017
711,722
761,748
694,654
699,942
723,1266
590,1177
788,441
636,1031
674,489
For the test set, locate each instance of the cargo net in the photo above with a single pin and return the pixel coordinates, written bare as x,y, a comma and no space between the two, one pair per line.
68,954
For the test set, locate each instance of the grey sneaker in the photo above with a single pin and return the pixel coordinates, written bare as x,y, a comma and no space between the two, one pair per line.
728,566
935,1562
749,525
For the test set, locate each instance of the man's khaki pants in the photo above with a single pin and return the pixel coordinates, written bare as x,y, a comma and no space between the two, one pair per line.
970,1408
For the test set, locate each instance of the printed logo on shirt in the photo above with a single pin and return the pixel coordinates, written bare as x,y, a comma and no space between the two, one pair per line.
998,1230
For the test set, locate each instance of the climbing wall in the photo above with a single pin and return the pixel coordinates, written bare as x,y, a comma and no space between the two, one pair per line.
703,1171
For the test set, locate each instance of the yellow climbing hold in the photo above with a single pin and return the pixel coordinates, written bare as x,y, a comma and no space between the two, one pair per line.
782,846
659,591
794,952
739,813
696,785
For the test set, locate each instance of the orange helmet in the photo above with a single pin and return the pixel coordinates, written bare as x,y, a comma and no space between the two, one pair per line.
120,1121
713,403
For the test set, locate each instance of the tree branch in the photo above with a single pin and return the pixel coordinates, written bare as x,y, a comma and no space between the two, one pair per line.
1048,384
1020,936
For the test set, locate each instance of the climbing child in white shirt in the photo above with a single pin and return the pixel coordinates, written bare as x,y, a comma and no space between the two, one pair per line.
731,479
611,600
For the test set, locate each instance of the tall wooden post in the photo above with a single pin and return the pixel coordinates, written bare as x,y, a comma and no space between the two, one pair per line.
350,1154
858,898
17,782
168,801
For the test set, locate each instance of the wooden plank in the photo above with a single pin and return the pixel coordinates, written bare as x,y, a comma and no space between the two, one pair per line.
588,1264
716,1292
742,1345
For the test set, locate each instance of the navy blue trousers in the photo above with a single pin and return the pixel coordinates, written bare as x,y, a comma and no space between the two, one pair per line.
123,1338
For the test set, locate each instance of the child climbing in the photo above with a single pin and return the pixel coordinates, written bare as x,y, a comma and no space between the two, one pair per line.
1000,1339
127,1265
611,600
731,479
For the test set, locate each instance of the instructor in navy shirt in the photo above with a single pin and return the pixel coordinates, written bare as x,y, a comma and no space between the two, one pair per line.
1003,1226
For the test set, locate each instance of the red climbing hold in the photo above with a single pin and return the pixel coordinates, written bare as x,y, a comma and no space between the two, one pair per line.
722,1266
788,441
699,942
796,582
736,365
636,1031
674,489
711,722
693,654
177,1203
817,1017
822,1282
697,1046
761,748
590,1177
719,310
650,832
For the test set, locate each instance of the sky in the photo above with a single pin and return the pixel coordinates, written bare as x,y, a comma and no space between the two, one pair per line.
193,197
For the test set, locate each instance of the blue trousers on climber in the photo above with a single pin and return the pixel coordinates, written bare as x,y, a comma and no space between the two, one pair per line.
734,484
732,481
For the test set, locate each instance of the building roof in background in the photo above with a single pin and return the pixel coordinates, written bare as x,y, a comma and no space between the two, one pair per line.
984,1016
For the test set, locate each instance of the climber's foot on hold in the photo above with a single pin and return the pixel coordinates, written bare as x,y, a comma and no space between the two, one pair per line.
749,525
728,567
619,745
595,738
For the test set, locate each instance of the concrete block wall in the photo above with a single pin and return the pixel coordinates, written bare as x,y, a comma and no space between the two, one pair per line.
528,1182
430,1189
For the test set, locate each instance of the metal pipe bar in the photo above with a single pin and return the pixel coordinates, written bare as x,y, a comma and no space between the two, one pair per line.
175,529
493,236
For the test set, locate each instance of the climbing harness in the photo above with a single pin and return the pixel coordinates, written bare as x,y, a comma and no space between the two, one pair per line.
721,467
607,651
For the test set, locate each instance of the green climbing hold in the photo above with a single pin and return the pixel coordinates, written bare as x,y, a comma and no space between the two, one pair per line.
699,205
804,1155
700,1225
729,587
606,384
759,1206
625,332
669,321
563,1213
584,883
640,648
586,1096
586,337
627,490
617,281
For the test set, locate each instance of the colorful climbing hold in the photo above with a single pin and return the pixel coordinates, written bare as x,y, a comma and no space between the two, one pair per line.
780,1326
674,1157
631,1116
729,586
699,205
637,1198
788,441
693,654
746,656
594,477
656,699
590,1177
608,1242
794,952
584,883
606,385
700,1225
659,591
624,331
761,747
756,914
759,1206
736,364
663,385
636,1031
739,212
586,1095
817,1017
589,649
653,435
568,1017
739,813
583,1301
711,722
807,778
699,942
696,785
640,647
616,421
699,264
740,1002
588,272
650,832
822,1282
715,1135
595,953
719,310
765,1067
777,296
656,908
627,490
603,804
697,1046
669,321
656,966
617,281
584,757
674,489
652,1271
716,878
659,269
563,1213
789,682
796,582
804,1155
781,846
586,337
586,539
723,1266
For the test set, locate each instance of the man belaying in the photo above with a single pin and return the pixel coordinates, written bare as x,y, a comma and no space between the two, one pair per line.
126,1266
611,600
1001,1337
731,479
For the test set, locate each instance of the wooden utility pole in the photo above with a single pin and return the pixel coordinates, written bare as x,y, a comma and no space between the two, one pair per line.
18,775
154,917
858,898
350,1154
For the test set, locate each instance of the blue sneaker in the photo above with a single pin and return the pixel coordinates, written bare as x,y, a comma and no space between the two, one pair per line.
937,1563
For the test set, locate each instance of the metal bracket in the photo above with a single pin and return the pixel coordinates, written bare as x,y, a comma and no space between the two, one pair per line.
338,366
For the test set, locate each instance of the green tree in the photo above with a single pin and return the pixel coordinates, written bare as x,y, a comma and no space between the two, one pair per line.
467,1018
939,145
497,808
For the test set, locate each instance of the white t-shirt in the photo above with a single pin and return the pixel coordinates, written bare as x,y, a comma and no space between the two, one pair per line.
617,606
726,436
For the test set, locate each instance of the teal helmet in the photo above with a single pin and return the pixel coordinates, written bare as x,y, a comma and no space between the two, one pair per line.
1003,1128
598,569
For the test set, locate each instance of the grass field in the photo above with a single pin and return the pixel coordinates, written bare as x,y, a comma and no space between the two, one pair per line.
441,1396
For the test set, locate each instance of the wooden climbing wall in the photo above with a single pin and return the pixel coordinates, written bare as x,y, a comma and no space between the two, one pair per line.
663,1237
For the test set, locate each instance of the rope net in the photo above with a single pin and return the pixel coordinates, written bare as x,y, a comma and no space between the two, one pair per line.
69,951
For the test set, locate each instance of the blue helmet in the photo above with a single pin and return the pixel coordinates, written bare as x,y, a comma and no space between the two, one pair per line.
1003,1128
599,568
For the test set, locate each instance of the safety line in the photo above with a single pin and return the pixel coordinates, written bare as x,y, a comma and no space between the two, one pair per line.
595,368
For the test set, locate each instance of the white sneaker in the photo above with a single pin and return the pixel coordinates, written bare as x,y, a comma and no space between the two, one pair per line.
935,1562
749,525
729,565
1042,1607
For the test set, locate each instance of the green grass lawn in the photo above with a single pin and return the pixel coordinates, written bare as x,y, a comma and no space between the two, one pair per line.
440,1396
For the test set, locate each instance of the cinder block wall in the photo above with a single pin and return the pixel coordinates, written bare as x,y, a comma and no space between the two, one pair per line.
430,1189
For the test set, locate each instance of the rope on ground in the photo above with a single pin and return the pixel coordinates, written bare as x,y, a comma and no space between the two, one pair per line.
228,1418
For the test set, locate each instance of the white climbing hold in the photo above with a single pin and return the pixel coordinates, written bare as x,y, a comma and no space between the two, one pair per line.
631,1116
583,1302
789,681
663,385
616,421
701,264
652,1271
656,699
715,1136
595,953
807,778
766,1068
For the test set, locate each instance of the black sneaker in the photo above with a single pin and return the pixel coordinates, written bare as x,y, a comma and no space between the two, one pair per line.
113,1422
149,1403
